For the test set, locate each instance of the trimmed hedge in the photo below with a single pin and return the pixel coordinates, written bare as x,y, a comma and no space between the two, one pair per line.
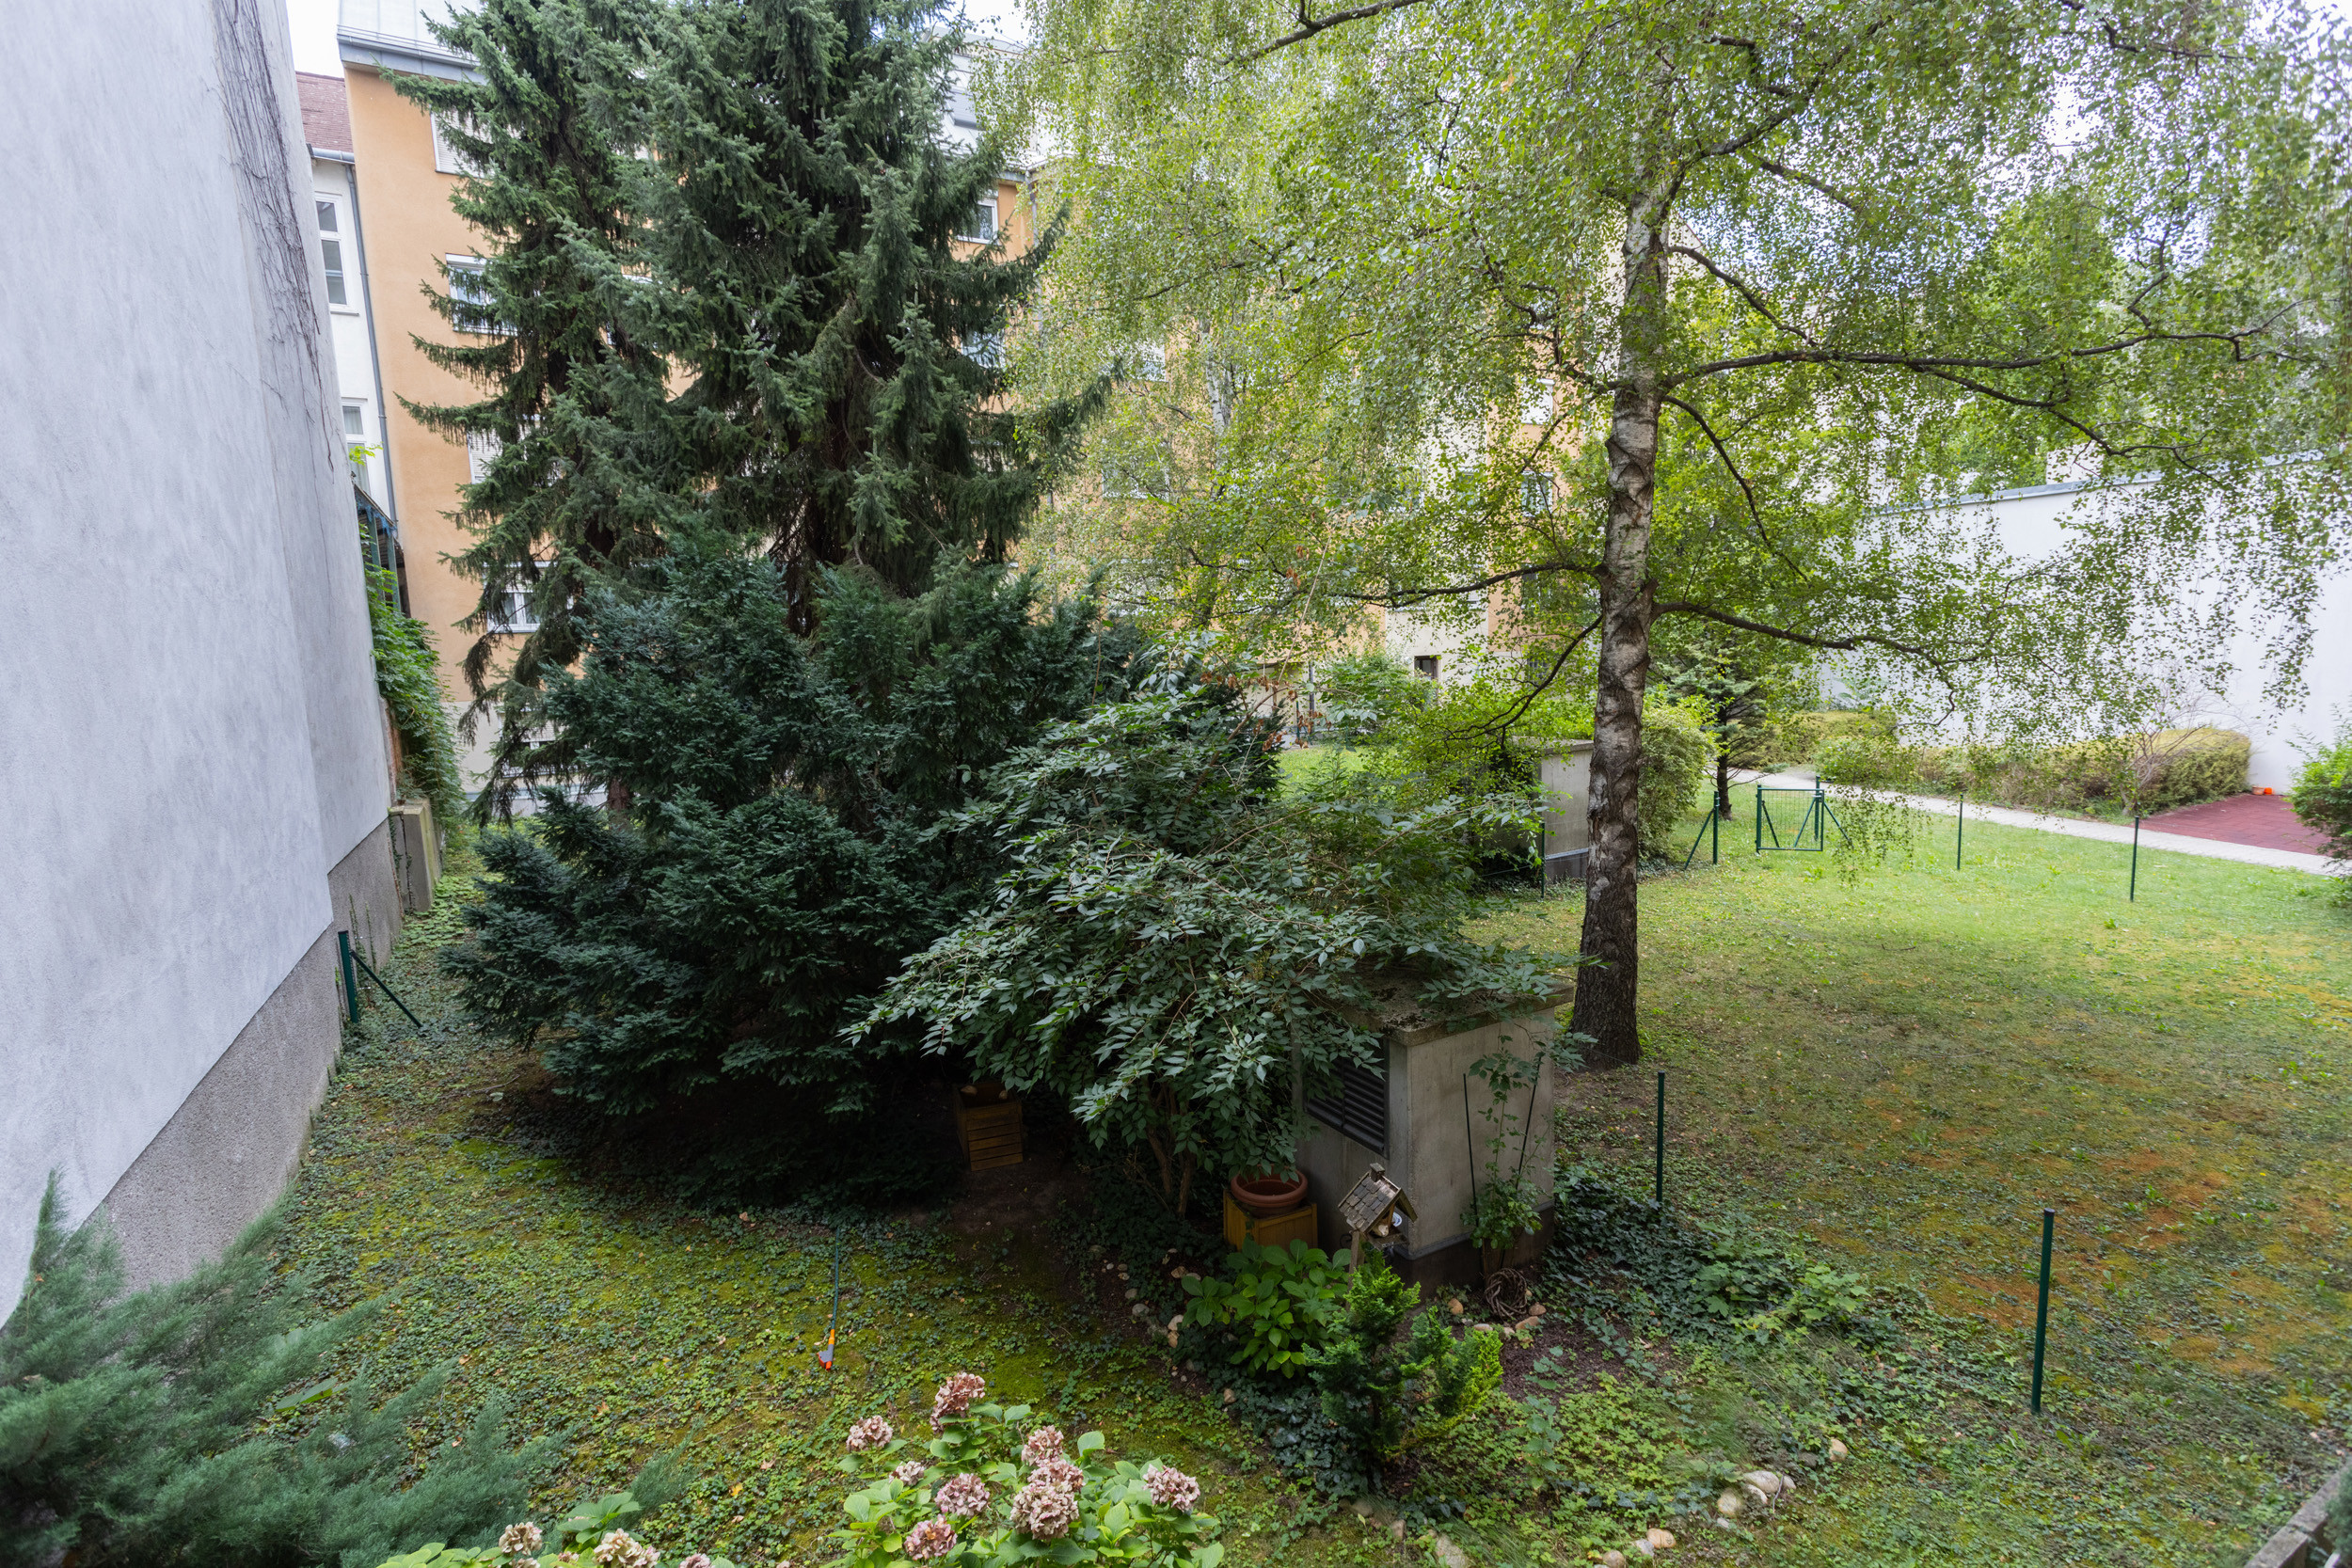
2168,768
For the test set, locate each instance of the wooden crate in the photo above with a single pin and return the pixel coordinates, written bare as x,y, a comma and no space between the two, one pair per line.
987,1124
1279,1230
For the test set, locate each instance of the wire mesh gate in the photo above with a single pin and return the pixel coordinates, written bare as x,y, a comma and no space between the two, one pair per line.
1813,822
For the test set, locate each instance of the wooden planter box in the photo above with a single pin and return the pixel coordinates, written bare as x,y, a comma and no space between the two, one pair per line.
1279,1230
987,1124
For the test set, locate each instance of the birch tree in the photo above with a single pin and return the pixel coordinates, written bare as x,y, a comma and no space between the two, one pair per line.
1795,276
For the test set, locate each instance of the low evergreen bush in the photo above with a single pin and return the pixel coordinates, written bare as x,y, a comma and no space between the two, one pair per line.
196,1424
2323,795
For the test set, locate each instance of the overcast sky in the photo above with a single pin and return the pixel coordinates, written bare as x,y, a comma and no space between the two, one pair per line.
315,50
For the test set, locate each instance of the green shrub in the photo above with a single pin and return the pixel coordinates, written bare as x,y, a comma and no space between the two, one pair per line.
992,1496
1276,1309
1799,737
1390,1392
195,1424
1363,695
598,1533
409,678
2323,795
1676,757
2146,773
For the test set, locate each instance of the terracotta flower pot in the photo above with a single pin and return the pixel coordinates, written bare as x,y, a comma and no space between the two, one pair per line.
1264,1194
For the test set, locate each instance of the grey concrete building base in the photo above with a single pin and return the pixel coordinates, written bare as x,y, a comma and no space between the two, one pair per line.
1458,1263
226,1154
365,887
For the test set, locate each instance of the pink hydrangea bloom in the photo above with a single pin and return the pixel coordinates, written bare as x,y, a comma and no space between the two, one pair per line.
1042,1511
965,1497
1058,1471
932,1538
871,1432
909,1473
700,1559
1042,1443
1171,1488
522,1540
955,1397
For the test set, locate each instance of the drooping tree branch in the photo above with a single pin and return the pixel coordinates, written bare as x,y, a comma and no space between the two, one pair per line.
1309,24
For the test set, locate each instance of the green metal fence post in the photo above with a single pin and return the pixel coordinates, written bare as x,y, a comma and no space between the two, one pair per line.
1715,838
2041,1313
351,976
2132,896
1960,837
1760,818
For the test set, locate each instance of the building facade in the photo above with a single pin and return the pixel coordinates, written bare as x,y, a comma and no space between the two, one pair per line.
193,756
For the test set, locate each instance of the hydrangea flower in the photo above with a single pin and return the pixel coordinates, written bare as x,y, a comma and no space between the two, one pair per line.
1171,1487
1058,1471
522,1540
871,1432
905,1474
955,1397
932,1538
700,1559
620,1549
965,1497
1042,1444
1042,1511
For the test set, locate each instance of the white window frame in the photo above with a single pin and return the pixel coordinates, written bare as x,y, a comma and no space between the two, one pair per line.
1537,406
446,158
324,203
481,324
1536,494
1150,363
513,615
481,450
986,350
993,223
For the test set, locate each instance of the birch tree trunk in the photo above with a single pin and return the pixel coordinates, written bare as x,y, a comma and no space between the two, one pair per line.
1606,988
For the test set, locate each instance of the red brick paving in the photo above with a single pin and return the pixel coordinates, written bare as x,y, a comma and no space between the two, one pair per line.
2264,820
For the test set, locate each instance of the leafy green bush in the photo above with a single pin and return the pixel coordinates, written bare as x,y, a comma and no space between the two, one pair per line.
408,677
1799,737
195,1424
988,1496
1762,1292
1389,1393
2146,773
1675,756
1166,948
1276,1308
1363,695
2323,795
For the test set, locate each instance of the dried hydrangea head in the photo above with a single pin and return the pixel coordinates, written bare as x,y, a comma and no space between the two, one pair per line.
932,1538
1170,1487
955,1397
1058,1471
1042,1444
1042,1511
700,1559
964,1497
620,1549
522,1540
909,1473
871,1432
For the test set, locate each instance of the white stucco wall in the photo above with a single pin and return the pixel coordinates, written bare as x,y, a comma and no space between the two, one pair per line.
2033,524
190,738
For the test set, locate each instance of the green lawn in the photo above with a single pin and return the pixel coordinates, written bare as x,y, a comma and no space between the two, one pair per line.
1896,1071
1904,1068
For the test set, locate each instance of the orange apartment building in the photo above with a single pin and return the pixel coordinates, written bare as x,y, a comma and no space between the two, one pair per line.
404,175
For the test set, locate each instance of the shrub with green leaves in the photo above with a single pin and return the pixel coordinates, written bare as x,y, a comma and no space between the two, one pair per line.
409,678
1360,695
994,1487
1676,752
195,1424
1390,1391
596,1531
1274,1309
2323,795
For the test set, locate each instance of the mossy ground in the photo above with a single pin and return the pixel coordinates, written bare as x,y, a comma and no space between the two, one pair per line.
1901,1070
636,1325
1907,1066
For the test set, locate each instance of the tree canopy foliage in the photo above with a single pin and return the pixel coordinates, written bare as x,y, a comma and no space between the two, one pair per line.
722,290
1573,318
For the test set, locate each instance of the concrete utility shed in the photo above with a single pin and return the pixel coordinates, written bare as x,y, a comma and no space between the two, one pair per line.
1567,776
1413,1116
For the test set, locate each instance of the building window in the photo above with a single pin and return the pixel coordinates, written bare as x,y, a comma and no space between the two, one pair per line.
469,290
331,249
481,450
986,349
355,421
1425,666
1150,363
981,226
1536,494
1537,409
446,158
512,611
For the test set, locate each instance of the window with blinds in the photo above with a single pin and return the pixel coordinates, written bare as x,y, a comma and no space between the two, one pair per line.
1359,1108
